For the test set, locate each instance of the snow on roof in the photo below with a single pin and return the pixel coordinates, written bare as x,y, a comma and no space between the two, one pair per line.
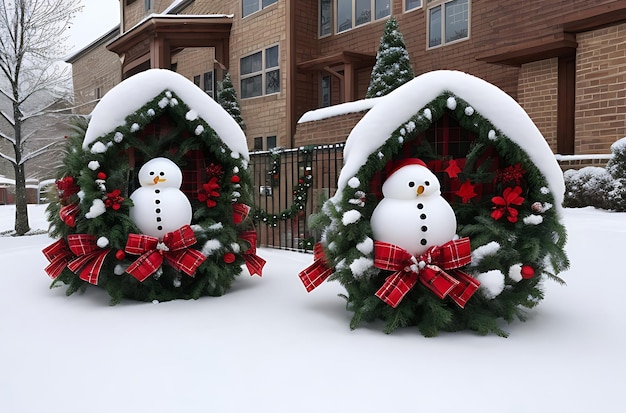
6,181
134,92
491,102
336,110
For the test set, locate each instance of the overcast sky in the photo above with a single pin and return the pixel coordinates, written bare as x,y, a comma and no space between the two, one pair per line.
96,19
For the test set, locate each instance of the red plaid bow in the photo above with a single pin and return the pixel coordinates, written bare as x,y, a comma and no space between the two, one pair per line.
68,214
89,257
240,212
429,268
316,273
174,249
253,262
59,255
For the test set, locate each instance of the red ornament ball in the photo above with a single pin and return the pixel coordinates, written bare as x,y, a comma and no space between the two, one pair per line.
120,255
527,272
235,179
102,175
229,258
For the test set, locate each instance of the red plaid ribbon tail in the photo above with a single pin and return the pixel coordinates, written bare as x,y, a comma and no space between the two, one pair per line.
146,265
68,214
254,263
315,274
89,257
187,260
464,290
396,286
59,256
240,212
438,281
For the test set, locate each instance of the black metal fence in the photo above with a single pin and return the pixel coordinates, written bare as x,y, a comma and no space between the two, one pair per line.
289,186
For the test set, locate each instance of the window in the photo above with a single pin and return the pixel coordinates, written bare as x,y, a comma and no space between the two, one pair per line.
252,6
98,93
196,80
258,144
352,13
325,17
271,142
148,4
448,21
260,73
208,84
326,85
412,4
129,2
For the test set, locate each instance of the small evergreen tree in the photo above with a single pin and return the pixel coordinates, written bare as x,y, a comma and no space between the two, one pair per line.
392,68
227,98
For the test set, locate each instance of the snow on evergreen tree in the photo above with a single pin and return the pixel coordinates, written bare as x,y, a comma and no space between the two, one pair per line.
227,98
392,68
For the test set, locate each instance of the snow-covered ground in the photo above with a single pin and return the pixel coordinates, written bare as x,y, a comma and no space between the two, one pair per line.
268,346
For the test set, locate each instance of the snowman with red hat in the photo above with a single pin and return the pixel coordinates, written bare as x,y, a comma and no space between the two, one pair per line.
414,231
413,215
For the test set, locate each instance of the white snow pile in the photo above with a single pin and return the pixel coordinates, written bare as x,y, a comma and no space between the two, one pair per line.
134,92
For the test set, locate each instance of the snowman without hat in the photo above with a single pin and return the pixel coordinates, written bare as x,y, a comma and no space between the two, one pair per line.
412,214
159,204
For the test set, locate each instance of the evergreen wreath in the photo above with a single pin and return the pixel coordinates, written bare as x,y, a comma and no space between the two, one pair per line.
94,185
300,191
513,227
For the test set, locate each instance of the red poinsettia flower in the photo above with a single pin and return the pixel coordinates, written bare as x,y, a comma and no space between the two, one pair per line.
66,187
209,192
114,200
504,204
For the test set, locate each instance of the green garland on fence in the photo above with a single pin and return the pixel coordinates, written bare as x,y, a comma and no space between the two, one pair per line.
536,240
300,193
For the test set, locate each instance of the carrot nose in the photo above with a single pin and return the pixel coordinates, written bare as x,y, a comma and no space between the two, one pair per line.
155,180
420,189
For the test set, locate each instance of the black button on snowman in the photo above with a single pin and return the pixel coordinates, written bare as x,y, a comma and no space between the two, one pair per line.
412,214
159,204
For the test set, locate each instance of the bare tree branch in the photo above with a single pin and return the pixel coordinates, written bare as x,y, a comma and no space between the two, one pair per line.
37,153
7,137
8,158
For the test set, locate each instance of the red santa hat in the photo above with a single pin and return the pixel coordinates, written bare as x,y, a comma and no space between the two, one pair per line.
405,162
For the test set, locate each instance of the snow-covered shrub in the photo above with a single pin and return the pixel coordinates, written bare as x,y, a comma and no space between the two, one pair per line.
599,187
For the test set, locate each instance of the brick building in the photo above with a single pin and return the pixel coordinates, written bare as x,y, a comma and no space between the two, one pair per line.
564,61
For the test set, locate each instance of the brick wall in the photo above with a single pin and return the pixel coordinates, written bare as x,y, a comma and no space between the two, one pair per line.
264,115
97,68
326,131
537,94
601,89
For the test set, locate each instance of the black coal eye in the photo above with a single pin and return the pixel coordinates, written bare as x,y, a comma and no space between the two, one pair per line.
411,184
161,173
426,183
151,173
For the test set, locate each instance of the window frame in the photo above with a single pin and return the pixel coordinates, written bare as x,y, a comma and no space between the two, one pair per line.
263,72
334,20
405,8
211,91
442,5
260,5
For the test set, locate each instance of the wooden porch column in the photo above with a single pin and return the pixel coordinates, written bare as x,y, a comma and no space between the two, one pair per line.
348,82
160,56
